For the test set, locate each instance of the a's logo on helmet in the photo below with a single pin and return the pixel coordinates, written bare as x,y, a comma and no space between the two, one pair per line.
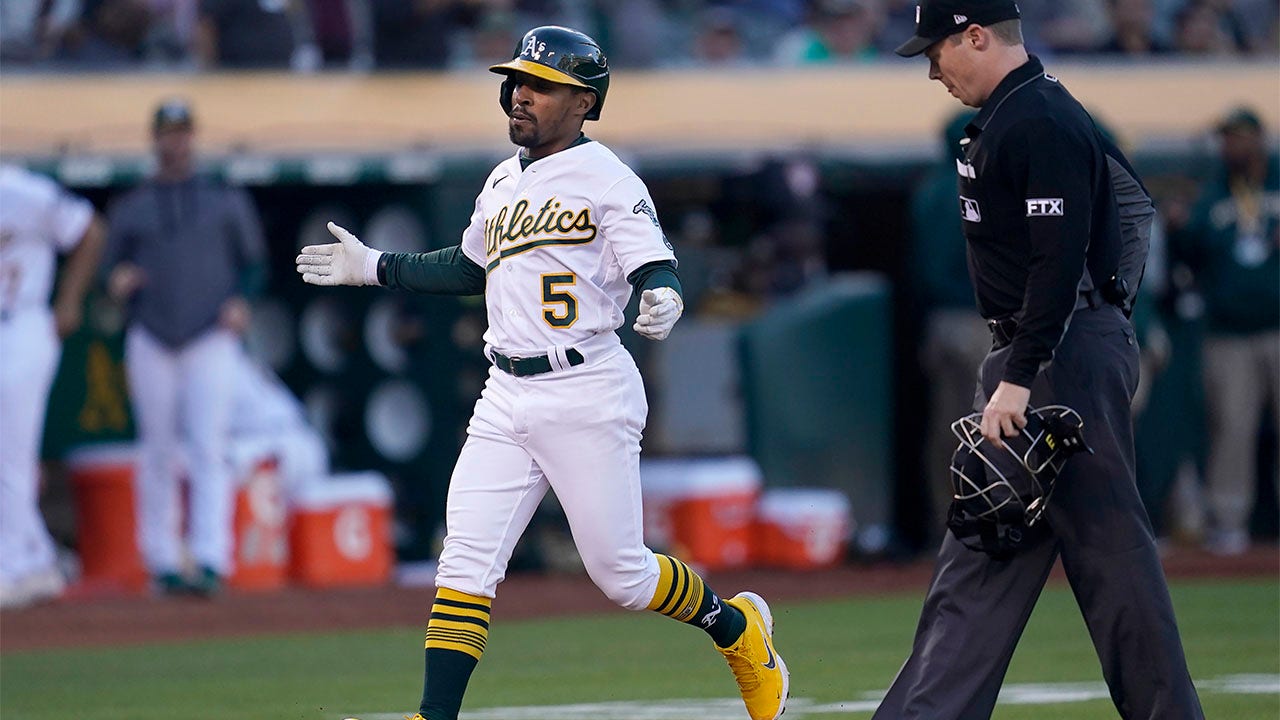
533,48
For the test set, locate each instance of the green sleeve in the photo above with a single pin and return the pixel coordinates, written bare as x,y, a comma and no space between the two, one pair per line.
661,273
253,279
440,272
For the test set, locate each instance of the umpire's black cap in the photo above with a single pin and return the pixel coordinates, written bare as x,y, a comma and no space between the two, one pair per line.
938,19
172,113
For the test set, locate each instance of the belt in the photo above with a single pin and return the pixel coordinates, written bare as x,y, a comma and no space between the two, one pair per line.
535,365
1003,330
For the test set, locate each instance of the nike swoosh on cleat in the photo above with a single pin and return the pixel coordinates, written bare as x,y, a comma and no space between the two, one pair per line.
773,661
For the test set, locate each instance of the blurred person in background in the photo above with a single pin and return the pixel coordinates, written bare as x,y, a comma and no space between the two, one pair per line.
185,254
255,35
31,30
1199,32
956,338
412,33
1133,30
39,220
269,421
342,32
1169,431
1232,245
111,34
839,31
717,42
491,35
173,30
1063,26
1246,22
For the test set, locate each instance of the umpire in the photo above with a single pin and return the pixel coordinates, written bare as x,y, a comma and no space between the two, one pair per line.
1056,223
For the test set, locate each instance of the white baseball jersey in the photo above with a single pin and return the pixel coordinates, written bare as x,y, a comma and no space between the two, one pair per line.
557,241
38,220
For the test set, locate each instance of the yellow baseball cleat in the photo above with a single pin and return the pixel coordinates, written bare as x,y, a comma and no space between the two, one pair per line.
761,674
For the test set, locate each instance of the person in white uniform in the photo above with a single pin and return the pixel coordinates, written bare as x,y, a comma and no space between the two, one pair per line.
268,420
185,253
38,221
562,233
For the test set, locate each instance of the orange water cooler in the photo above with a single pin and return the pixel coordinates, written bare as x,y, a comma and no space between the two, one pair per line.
340,531
101,478
261,558
701,509
801,528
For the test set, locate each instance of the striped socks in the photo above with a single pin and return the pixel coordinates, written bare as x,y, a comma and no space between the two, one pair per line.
456,636
682,595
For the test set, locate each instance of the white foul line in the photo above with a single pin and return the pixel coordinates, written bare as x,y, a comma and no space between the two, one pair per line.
731,708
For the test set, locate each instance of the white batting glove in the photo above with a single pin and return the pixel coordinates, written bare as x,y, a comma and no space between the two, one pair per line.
660,308
346,262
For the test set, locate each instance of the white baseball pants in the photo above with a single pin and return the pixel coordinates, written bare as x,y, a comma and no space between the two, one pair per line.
182,399
29,352
576,431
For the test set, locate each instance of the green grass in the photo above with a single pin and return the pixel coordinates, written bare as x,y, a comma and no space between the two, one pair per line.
837,651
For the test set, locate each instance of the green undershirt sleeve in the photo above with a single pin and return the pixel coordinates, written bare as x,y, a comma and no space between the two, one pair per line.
439,272
660,273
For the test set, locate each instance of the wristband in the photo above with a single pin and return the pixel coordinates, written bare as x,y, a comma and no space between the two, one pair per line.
371,267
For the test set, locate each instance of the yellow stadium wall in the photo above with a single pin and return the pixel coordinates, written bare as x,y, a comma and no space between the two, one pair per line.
861,108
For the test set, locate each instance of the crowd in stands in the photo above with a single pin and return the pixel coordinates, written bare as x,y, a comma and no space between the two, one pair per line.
310,35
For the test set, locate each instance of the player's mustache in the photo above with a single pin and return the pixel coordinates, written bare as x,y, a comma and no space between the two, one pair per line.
518,114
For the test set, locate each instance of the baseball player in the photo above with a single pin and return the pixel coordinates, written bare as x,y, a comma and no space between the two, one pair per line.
38,220
561,235
185,253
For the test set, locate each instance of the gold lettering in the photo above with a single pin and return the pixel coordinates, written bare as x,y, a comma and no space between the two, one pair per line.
104,404
513,229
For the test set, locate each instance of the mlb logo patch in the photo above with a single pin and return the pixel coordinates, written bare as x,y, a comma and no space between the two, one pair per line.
1044,207
969,209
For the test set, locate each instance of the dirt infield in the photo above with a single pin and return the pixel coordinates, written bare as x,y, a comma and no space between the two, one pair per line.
88,619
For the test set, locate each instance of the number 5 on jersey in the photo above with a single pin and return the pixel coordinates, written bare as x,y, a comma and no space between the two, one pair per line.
554,295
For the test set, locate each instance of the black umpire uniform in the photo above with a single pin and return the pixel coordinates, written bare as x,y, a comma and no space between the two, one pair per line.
1042,195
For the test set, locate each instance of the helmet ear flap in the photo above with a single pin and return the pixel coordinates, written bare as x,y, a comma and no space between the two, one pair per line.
504,94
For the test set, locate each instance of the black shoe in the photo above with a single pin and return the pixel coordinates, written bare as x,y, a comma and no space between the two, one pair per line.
207,583
170,583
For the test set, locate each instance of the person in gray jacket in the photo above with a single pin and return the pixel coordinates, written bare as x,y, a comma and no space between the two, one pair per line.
185,254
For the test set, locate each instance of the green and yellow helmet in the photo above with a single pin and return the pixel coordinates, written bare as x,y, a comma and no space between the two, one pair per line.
559,55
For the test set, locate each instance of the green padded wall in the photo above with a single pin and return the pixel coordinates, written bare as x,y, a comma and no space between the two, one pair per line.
817,385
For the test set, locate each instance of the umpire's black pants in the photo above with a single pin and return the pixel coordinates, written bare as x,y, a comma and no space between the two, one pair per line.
976,607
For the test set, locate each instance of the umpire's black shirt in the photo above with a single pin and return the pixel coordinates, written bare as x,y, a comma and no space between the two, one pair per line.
1034,192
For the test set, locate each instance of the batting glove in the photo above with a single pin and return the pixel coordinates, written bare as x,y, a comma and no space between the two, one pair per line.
346,262
660,308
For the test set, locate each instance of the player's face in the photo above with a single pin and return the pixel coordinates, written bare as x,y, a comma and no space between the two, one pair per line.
953,62
545,116
174,150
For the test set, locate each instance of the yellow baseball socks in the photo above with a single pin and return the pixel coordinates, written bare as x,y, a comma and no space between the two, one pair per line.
682,595
456,636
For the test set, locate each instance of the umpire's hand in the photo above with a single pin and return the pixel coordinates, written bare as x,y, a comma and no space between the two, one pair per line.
1005,413
346,262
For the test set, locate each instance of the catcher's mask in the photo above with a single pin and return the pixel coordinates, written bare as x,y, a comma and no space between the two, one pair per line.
1000,494
560,55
